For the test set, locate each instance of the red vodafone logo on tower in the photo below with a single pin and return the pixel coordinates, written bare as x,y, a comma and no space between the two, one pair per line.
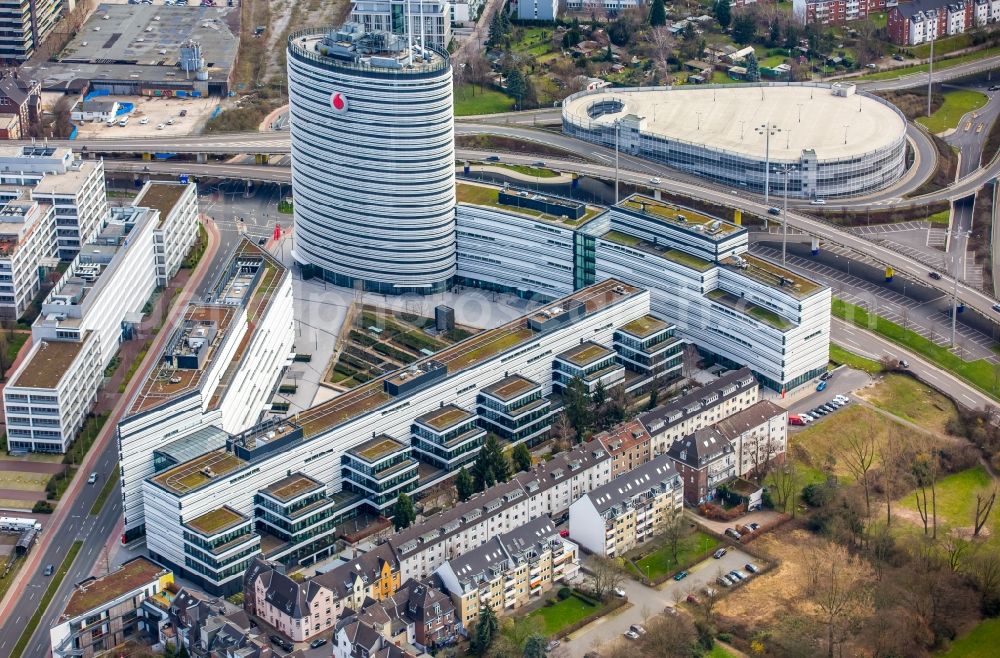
338,102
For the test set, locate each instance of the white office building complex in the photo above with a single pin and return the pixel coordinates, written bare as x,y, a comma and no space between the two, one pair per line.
177,229
736,308
57,177
219,367
429,20
329,442
81,323
27,244
373,155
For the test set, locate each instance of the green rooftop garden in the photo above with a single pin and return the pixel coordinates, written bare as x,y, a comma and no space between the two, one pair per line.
749,308
474,351
644,326
622,239
481,195
215,521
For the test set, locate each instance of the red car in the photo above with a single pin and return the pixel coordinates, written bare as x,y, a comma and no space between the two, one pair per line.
564,533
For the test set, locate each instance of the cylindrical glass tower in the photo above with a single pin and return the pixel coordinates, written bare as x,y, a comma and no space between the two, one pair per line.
373,160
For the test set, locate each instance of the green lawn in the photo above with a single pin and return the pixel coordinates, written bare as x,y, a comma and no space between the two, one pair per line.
718,652
660,562
771,62
956,104
102,497
470,100
912,400
942,218
563,613
840,356
956,497
942,46
980,373
537,172
982,642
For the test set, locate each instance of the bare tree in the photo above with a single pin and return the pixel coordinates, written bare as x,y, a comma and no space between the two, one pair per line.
859,456
954,549
661,48
984,505
984,569
562,432
892,458
840,588
925,471
605,576
690,360
786,481
673,532
668,636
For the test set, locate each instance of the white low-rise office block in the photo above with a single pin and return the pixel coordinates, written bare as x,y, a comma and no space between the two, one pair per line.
429,20
57,177
177,230
388,405
27,244
220,367
738,309
82,322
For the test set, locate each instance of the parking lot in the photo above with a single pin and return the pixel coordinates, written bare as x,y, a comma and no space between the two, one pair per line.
158,111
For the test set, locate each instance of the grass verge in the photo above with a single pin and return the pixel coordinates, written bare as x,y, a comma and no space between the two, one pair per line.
50,592
102,497
537,172
912,400
471,100
982,642
980,373
922,68
661,563
842,357
956,104
567,613
7,579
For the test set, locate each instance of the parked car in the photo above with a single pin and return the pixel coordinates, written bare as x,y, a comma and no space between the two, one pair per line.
898,57
752,568
903,363
934,275
722,580
143,121
795,420
552,645
996,307
680,575
619,592
731,532
317,643
719,553
493,158
807,418
638,629
632,635
829,407
49,569
93,478
826,375
564,533
754,527
160,126
738,575
710,591
821,386
170,122
184,113
994,88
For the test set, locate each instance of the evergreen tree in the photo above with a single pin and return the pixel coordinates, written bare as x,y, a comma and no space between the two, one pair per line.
491,465
521,457
577,404
744,29
487,630
517,85
404,513
654,393
774,33
504,22
723,13
600,395
534,646
753,69
657,13
496,31
464,484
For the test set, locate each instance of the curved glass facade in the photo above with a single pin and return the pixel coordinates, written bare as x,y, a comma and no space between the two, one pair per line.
373,157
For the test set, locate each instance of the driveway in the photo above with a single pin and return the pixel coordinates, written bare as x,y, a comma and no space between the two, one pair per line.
648,601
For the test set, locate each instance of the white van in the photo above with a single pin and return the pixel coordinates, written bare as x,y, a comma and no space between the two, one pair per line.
123,122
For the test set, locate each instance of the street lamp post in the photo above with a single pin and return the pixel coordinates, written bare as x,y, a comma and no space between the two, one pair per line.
767,130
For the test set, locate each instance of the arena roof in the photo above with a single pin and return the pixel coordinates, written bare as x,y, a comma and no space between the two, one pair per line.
727,118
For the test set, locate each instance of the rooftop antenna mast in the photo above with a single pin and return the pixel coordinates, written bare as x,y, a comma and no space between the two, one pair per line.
408,15
422,27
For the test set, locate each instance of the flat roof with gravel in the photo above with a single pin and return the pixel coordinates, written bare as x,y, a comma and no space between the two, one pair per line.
48,363
727,118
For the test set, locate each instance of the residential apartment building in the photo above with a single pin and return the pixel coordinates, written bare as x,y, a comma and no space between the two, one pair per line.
758,434
465,12
429,21
20,100
535,10
177,204
629,445
628,511
27,247
314,442
705,459
418,618
922,21
218,368
835,12
103,612
304,609
82,321
80,200
731,393
25,24
548,489
509,571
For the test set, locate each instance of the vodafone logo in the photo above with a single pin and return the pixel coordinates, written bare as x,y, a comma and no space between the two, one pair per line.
338,102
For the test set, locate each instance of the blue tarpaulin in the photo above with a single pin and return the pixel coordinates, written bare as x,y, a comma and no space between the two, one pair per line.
73,134
163,156
96,93
124,108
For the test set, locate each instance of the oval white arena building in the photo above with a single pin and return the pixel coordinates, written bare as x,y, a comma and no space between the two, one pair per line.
832,141
373,160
